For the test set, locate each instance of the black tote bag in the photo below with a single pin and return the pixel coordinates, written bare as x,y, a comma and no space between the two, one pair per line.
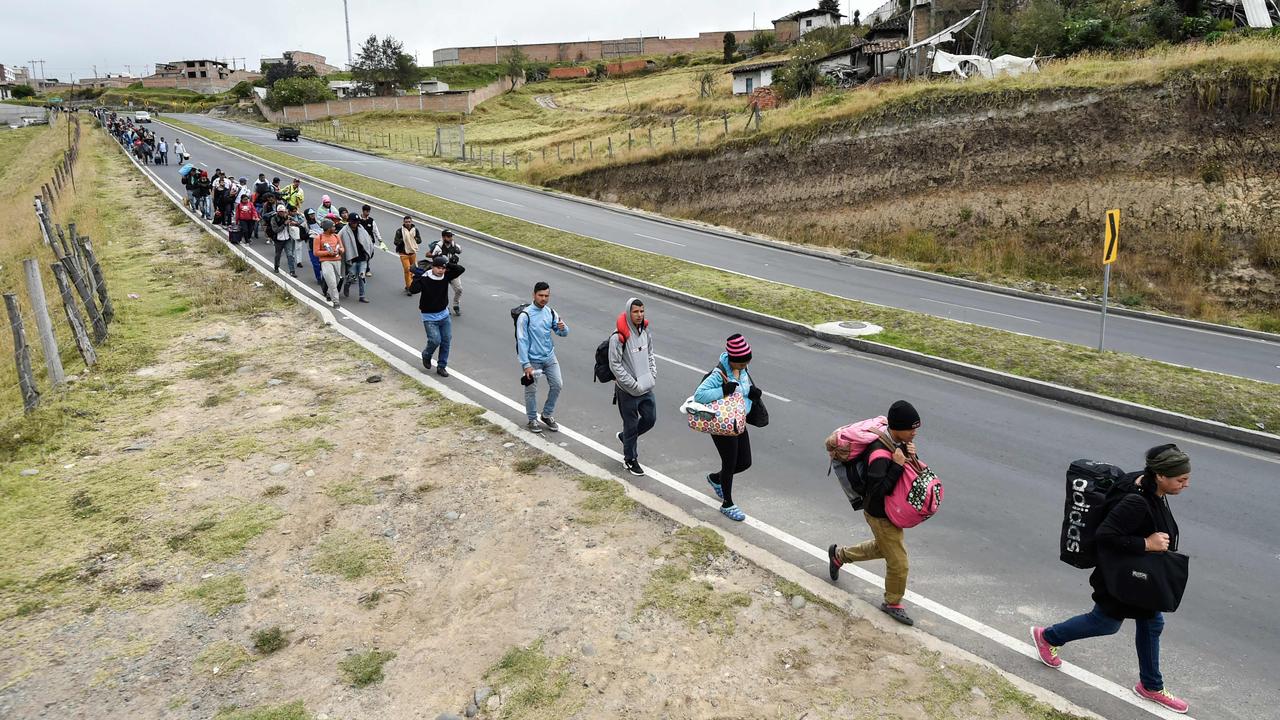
1152,581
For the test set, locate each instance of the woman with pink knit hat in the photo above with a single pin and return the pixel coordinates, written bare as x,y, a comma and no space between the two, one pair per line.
730,376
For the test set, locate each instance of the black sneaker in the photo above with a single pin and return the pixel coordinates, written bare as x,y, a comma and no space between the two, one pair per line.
897,612
551,423
834,562
442,372
534,427
633,467
426,363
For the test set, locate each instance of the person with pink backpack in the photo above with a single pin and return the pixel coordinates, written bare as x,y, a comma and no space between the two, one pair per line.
887,457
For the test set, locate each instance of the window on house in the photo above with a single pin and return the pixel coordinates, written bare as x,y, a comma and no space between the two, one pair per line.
191,74
808,23
190,64
204,74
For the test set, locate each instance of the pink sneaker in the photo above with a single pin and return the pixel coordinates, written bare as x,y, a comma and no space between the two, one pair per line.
1161,697
1048,653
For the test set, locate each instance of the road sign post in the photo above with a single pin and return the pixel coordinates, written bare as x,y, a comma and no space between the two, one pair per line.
1110,248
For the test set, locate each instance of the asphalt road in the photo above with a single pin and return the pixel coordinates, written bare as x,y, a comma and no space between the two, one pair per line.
1231,354
992,551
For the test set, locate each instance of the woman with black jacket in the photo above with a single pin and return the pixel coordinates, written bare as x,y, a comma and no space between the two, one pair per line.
1140,522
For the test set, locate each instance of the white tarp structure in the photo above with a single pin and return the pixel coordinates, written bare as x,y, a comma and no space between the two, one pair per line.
1255,12
969,65
946,35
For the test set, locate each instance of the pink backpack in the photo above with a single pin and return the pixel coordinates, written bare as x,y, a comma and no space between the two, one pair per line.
917,496
850,441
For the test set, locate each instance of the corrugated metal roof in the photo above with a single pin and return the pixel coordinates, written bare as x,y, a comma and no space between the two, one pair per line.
756,66
883,46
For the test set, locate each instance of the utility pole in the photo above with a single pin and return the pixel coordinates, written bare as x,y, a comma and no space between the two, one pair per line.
95,71
347,18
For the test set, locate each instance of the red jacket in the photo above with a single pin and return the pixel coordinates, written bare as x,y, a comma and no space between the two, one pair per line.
246,211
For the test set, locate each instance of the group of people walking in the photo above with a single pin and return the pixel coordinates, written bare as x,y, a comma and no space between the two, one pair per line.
342,245
141,142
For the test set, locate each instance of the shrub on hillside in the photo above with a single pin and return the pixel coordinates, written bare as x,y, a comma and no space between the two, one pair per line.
243,90
298,91
763,42
23,91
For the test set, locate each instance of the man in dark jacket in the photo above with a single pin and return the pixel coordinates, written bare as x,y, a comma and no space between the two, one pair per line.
884,469
433,284
448,249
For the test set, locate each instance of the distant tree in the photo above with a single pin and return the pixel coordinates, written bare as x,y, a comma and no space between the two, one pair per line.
1040,28
307,71
280,71
730,45
705,82
298,91
515,63
601,72
763,42
242,90
23,91
831,6
800,77
382,66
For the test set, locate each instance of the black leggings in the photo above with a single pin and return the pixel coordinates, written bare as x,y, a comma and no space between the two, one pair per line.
735,457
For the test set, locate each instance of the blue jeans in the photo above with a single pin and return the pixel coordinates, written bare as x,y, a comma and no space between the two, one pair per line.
1095,623
206,206
358,269
638,417
439,335
551,369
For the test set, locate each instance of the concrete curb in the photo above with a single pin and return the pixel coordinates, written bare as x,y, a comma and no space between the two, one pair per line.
762,558
834,256
1039,388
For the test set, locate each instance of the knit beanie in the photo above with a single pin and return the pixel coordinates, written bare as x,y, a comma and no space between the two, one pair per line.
738,348
1168,460
903,416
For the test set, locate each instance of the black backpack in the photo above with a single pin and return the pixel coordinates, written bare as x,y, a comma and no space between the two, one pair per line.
852,477
602,372
1093,489
519,310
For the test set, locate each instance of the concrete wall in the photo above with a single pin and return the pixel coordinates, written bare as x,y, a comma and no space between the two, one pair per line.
589,50
759,79
809,24
453,101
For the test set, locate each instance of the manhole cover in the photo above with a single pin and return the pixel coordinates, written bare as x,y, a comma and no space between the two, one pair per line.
850,328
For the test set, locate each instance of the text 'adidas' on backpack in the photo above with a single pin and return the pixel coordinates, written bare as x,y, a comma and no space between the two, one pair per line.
1092,488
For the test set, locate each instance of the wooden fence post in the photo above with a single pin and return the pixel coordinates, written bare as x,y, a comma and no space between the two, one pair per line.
73,317
21,355
95,271
40,307
86,297
610,146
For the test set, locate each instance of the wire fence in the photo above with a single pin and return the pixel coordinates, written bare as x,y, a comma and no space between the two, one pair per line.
38,341
648,135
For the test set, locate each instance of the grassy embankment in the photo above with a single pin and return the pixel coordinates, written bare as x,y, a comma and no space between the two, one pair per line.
1236,401
27,159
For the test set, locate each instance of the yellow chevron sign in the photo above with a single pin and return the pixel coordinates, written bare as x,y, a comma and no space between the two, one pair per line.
1111,247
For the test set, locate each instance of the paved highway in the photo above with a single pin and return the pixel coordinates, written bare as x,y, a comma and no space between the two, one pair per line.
992,551
1231,354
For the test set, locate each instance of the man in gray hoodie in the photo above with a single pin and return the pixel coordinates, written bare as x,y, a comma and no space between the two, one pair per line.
635,374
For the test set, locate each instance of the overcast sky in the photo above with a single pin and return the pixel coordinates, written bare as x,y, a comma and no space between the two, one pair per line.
71,36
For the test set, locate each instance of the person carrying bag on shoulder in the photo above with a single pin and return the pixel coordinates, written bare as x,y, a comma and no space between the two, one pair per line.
1139,576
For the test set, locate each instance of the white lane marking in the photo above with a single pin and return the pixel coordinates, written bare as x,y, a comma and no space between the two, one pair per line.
507,202
976,385
1111,688
356,162
650,237
687,366
201,164
419,177
989,312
